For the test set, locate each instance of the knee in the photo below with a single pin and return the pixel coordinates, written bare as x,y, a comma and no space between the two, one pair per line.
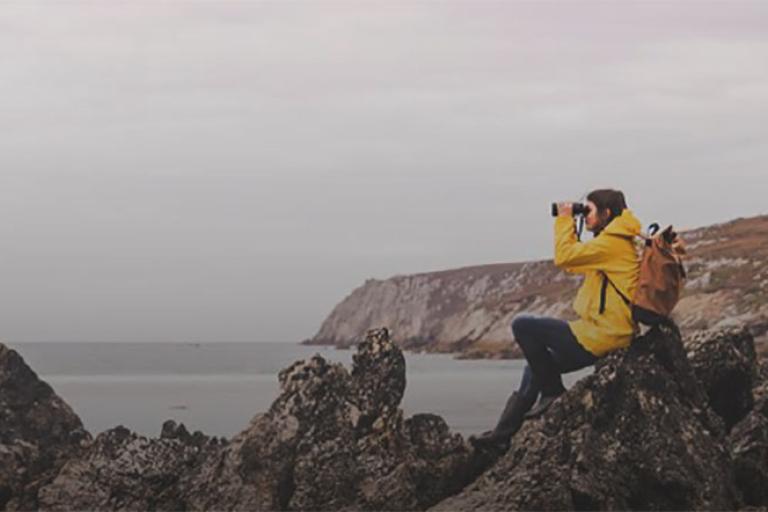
521,325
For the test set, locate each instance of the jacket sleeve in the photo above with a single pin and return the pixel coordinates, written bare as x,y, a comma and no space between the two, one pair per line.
578,257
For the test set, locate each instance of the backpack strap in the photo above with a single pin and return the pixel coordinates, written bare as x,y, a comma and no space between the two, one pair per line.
604,289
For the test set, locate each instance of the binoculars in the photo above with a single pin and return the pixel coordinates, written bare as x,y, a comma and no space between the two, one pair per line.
578,209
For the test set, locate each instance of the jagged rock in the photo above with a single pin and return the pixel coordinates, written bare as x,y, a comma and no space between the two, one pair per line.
637,434
725,363
429,434
748,442
760,391
124,471
257,469
335,441
171,430
38,433
331,441
378,379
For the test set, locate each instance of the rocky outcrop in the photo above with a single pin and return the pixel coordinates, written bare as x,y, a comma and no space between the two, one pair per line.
636,435
748,444
332,440
725,363
335,440
124,471
651,428
39,432
469,310
736,385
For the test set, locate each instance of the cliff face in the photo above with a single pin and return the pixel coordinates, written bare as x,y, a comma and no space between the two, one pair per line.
728,276
455,310
470,309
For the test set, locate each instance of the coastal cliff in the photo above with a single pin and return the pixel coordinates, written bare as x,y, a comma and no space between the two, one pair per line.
469,310
454,310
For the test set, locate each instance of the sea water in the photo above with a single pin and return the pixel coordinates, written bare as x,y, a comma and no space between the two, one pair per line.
219,387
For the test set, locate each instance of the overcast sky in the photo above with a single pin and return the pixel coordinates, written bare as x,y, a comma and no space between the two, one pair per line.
214,171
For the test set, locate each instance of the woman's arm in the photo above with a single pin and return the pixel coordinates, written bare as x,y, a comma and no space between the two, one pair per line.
575,256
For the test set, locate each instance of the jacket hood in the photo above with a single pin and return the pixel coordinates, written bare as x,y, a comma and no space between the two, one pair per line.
625,224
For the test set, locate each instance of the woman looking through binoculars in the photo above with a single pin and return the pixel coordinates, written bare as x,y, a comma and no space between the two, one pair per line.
610,265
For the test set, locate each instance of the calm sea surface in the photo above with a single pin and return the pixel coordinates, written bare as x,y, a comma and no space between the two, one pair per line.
218,387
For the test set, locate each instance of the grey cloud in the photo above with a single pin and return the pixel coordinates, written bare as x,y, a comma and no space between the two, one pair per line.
229,171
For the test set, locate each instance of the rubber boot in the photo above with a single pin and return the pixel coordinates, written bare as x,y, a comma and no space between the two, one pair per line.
509,423
551,381
544,402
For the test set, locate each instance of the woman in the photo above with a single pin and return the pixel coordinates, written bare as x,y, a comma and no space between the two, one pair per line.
610,265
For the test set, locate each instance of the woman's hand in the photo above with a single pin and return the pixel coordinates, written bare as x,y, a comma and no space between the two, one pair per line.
565,209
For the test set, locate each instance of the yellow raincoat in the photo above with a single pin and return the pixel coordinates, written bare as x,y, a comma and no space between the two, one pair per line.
612,251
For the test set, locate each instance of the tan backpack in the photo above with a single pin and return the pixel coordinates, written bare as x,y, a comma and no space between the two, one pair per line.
661,279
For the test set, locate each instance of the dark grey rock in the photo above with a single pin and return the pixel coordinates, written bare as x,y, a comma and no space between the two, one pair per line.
39,432
125,471
171,430
378,379
748,442
338,441
635,435
725,363
331,441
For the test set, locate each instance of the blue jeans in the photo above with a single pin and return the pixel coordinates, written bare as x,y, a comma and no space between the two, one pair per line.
551,349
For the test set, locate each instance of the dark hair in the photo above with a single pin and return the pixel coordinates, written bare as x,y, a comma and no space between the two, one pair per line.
610,199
